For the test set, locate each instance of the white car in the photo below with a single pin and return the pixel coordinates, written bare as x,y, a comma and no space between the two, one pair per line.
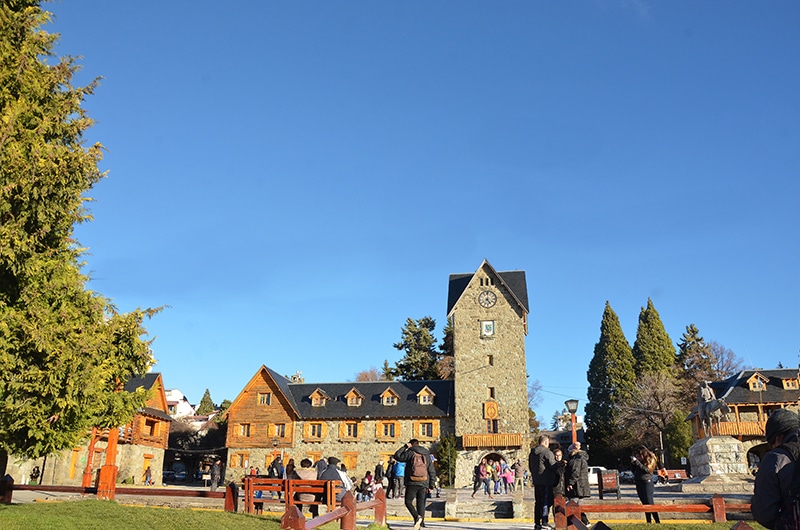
593,473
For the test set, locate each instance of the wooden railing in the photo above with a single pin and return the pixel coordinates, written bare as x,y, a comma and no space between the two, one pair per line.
567,515
492,441
293,519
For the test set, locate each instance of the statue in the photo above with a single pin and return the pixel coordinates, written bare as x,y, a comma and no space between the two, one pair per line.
709,408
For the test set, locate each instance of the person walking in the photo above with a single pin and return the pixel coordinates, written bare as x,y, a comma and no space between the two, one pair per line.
419,477
771,504
542,464
576,478
643,464
481,478
216,470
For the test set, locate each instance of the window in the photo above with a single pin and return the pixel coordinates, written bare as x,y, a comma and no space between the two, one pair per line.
491,393
426,429
426,399
389,400
240,459
354,401
279,430
150,427
171,410
315,430
490,360
244,429
492,426
790,384
388,430
264,398
351,430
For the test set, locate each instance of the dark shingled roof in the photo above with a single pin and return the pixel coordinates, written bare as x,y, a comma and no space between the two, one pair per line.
372,407
514,280
147,381
735,389
150,411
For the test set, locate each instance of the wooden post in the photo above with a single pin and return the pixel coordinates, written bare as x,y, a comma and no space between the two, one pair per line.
231,497
718,505
87,473
560,512
380,509
293,519
106,489
348,521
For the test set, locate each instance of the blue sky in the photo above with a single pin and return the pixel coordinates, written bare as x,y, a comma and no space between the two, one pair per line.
295,179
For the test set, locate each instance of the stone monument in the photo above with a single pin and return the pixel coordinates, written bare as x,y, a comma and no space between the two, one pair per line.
718,463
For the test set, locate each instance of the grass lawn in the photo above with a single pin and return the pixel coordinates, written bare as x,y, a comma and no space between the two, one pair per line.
108,515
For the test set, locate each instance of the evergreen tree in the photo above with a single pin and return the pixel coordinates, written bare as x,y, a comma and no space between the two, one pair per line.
653,349
419,345
677,438
206,406
446,459
65,352
695,365
447,362
611,383
386,371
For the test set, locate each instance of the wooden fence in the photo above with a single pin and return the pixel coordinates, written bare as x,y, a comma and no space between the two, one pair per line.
567,515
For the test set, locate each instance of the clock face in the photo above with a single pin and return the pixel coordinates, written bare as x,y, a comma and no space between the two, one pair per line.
487,299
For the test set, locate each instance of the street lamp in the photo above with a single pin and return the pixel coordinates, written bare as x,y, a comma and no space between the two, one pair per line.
572,407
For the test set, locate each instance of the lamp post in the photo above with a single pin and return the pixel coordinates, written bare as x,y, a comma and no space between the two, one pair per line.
572,407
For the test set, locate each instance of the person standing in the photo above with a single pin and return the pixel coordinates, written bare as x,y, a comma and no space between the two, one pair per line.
416,484
771,499
643,464
560,470
542,464
481,478
577,476
215,474
519,475
398,474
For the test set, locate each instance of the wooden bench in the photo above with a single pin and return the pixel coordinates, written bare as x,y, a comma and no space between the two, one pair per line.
280,491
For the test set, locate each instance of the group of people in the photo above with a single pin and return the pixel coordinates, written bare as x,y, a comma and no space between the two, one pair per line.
496,476
552,475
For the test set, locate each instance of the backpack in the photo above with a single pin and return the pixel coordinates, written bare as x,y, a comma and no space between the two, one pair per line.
419,468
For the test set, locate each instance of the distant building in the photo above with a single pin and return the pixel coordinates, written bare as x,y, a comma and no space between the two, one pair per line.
485,406
177,404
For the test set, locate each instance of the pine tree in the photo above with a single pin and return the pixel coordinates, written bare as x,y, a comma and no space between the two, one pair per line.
611,383
419,345
65,352
206,406
653,349
695,365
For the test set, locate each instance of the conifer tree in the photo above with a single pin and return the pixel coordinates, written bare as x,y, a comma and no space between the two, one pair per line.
611,383
206,405
65,352
419,345
695,365
653,349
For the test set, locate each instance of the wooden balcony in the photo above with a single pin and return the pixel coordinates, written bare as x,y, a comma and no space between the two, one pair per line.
492,441
741,428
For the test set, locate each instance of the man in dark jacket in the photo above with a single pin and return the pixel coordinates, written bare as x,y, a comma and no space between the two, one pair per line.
542,465
332,473
771,493
416,490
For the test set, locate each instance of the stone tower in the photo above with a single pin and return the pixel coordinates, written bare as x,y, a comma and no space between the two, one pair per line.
489,312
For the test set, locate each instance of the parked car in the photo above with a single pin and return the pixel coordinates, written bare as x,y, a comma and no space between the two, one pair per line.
593,473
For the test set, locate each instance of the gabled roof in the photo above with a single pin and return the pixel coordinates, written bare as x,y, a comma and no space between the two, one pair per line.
150,381
736,389
280,381
372,407
514,281
147,381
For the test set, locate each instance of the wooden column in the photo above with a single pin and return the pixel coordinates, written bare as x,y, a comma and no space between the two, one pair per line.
106,488
87,473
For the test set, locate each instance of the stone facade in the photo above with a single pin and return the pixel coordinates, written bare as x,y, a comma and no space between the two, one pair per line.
719,464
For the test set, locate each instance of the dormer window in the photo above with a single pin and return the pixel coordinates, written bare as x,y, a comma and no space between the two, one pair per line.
757,383
318,398
790,384
425,396
389,398
354,398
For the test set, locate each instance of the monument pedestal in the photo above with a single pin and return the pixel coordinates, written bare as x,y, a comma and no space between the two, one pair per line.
719,465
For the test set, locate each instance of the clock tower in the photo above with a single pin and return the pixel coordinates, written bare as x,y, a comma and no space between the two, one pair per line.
489,314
